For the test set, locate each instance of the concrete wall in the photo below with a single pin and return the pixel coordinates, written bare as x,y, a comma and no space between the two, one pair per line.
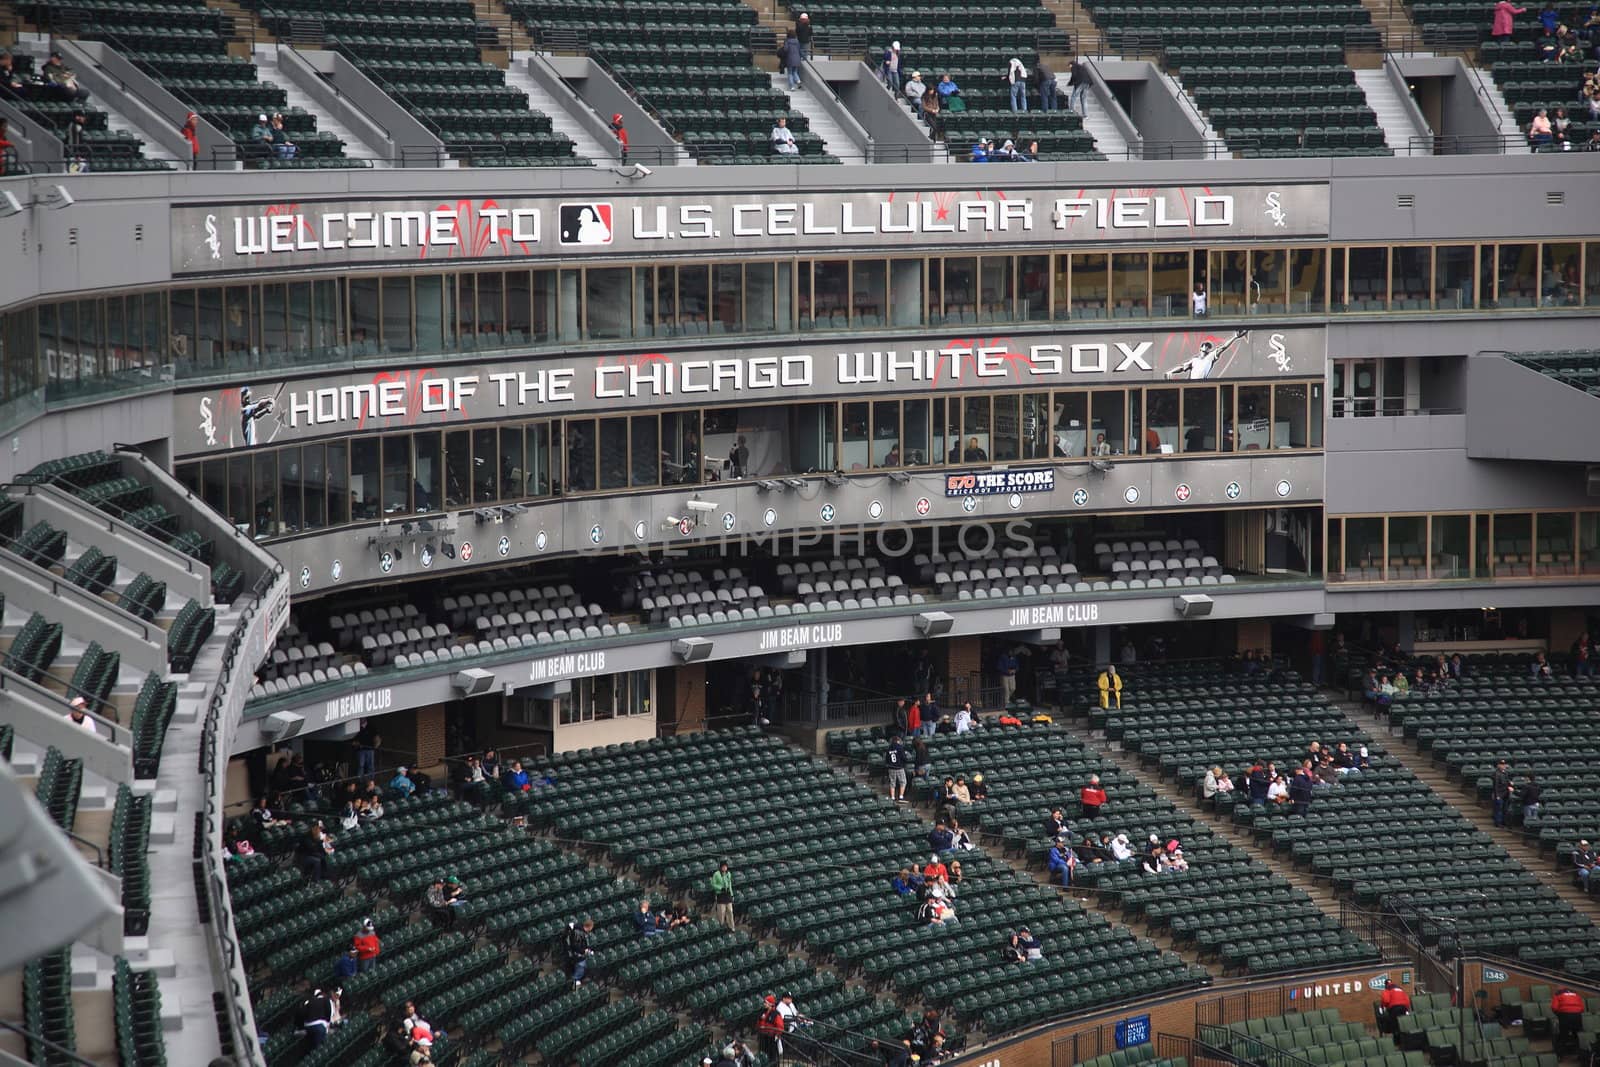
1151,102
350,96
130,420
598,91
1514,412
604,732
896,135
1451,103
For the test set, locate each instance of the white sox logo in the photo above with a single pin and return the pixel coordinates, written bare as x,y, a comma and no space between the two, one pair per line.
208,425
1274,210
213,239
1278,353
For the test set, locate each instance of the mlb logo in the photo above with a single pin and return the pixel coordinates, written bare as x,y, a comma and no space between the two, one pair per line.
585,224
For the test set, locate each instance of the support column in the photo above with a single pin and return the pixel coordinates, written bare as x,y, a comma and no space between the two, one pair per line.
1405,625
689,697
965,668
1253,634
1565,626
429,740
1102,645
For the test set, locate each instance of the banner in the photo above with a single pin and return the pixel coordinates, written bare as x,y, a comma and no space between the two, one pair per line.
279,411
218,238
994,483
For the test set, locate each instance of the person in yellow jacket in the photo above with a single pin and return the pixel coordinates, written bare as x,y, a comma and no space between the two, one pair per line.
1110,687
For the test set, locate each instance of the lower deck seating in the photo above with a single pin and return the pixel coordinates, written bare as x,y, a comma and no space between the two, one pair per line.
100,147
47,1008
136,1002
1321,1037
60,781
1579,369
128,843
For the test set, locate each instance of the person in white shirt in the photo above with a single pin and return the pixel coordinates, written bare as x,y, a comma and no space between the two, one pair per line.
1199,299
1278,791
79,714
1120,849
782,138
792,1019
1201,365
964,718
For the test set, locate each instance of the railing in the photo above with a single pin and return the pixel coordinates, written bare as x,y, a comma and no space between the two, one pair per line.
600,57
1462,144
58,1053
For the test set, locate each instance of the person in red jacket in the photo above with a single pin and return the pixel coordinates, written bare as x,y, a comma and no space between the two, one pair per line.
769,1026
367,947
1091,797
191,134
1567,1007
622,136
914,717
1395,1002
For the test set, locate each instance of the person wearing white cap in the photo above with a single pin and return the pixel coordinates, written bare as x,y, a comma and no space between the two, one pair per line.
78,713
261,137
402,784
891,67
914,90
1120,849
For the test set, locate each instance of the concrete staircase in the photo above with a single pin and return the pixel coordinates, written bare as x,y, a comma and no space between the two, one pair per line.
834,141
1516,143
1108,140
1074,19
540,99
38,46
1400,131
1394,24
1465,800
1210,131
512,34
248,30
266,60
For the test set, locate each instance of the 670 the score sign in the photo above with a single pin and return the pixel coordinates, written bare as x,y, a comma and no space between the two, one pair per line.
989,483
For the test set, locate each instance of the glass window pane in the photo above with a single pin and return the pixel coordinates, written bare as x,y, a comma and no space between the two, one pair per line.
314,481
364,481
363,316
995,302
1038,437
1558,284
975,428
1130,285
211,346
291,477
1072,424
519,309
1267,280
870,296
1226,286
1517,282
1554,545
1254,431
1363,550
327,309
542,327
1482,555
237,325
430,313
694,300
1454,277
1412,277
1591,274
581,453
614,453
1588,540
1061,285
510,463
811,439
429,473
935,292
830,294
299,339
1004,439
727,298
1335,552
916,445
1289,416
396,474
340,499
1308,279
485,478
1170,284
1369,278
1513,545
645,454
1317,413
457,469
758,298
1449,553
1338,281
961,290
783,290
274,318
569,300
1225,440
240,508
905,301
886,433
606,302
946,418
680,447
1090,287
1200,418
1406,536
491,305
856,453
182,338
1135,439
1033,288
1160,421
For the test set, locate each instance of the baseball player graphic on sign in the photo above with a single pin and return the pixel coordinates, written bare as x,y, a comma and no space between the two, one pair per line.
250,411
1201,365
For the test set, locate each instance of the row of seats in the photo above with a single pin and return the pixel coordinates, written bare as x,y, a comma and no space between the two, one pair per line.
103,147
1183,725
60,781
127,845
136,1013
1579,369
281,686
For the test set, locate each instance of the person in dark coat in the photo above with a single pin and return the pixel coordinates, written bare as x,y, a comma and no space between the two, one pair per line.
790,56
802,33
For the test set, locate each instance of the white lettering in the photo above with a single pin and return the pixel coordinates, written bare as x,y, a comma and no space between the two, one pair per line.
355,705
806,636
1054,615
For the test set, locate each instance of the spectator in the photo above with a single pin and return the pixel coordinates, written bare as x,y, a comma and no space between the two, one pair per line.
677,916
401,783
769,1029
921,758
645,920
282,147
722,890
1078,83
935,910
1300,789
312,853
1091,798
261,814
891,66
621,133
947,87
781,137
1007,666
790,56
77,147
1055,825
191,133
1394,1002
1528,795
367,946
1023,946
939,838
1007,153
980,151
60,83
1121,849
1500,791
1583,656
1110,685
802,33
1277,790
1017,78
261,138
1540,667
914,718
349,964
792,1019
12,86
77,712
1584,859
1172,858
1549,18
935,870
1260,782
930,715
913,90
1046,80
437,898
895,760
348,818
1062,862
957,876
1216,783
1502,28
516,779
960,840
1548,48
980,788
579,950
932,112
1568,1008
963,795
316,1016
964,719
906,883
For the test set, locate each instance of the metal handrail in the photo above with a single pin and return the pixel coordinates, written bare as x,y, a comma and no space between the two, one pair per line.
600,57
345,98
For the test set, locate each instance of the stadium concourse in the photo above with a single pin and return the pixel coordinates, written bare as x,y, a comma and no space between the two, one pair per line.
587,535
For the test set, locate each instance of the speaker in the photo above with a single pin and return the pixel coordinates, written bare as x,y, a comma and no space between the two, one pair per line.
691,649
1192,605
934,623
282,726
473,681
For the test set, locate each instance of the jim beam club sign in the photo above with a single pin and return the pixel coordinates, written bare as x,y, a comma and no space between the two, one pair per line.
394,398
229,237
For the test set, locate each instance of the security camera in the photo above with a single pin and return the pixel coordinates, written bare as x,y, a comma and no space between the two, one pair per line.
702,506
63,198
9,204
641,171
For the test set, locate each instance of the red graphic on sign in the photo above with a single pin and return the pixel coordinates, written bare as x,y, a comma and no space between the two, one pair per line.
466,552
476,234
1182,491
924,506
424,394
